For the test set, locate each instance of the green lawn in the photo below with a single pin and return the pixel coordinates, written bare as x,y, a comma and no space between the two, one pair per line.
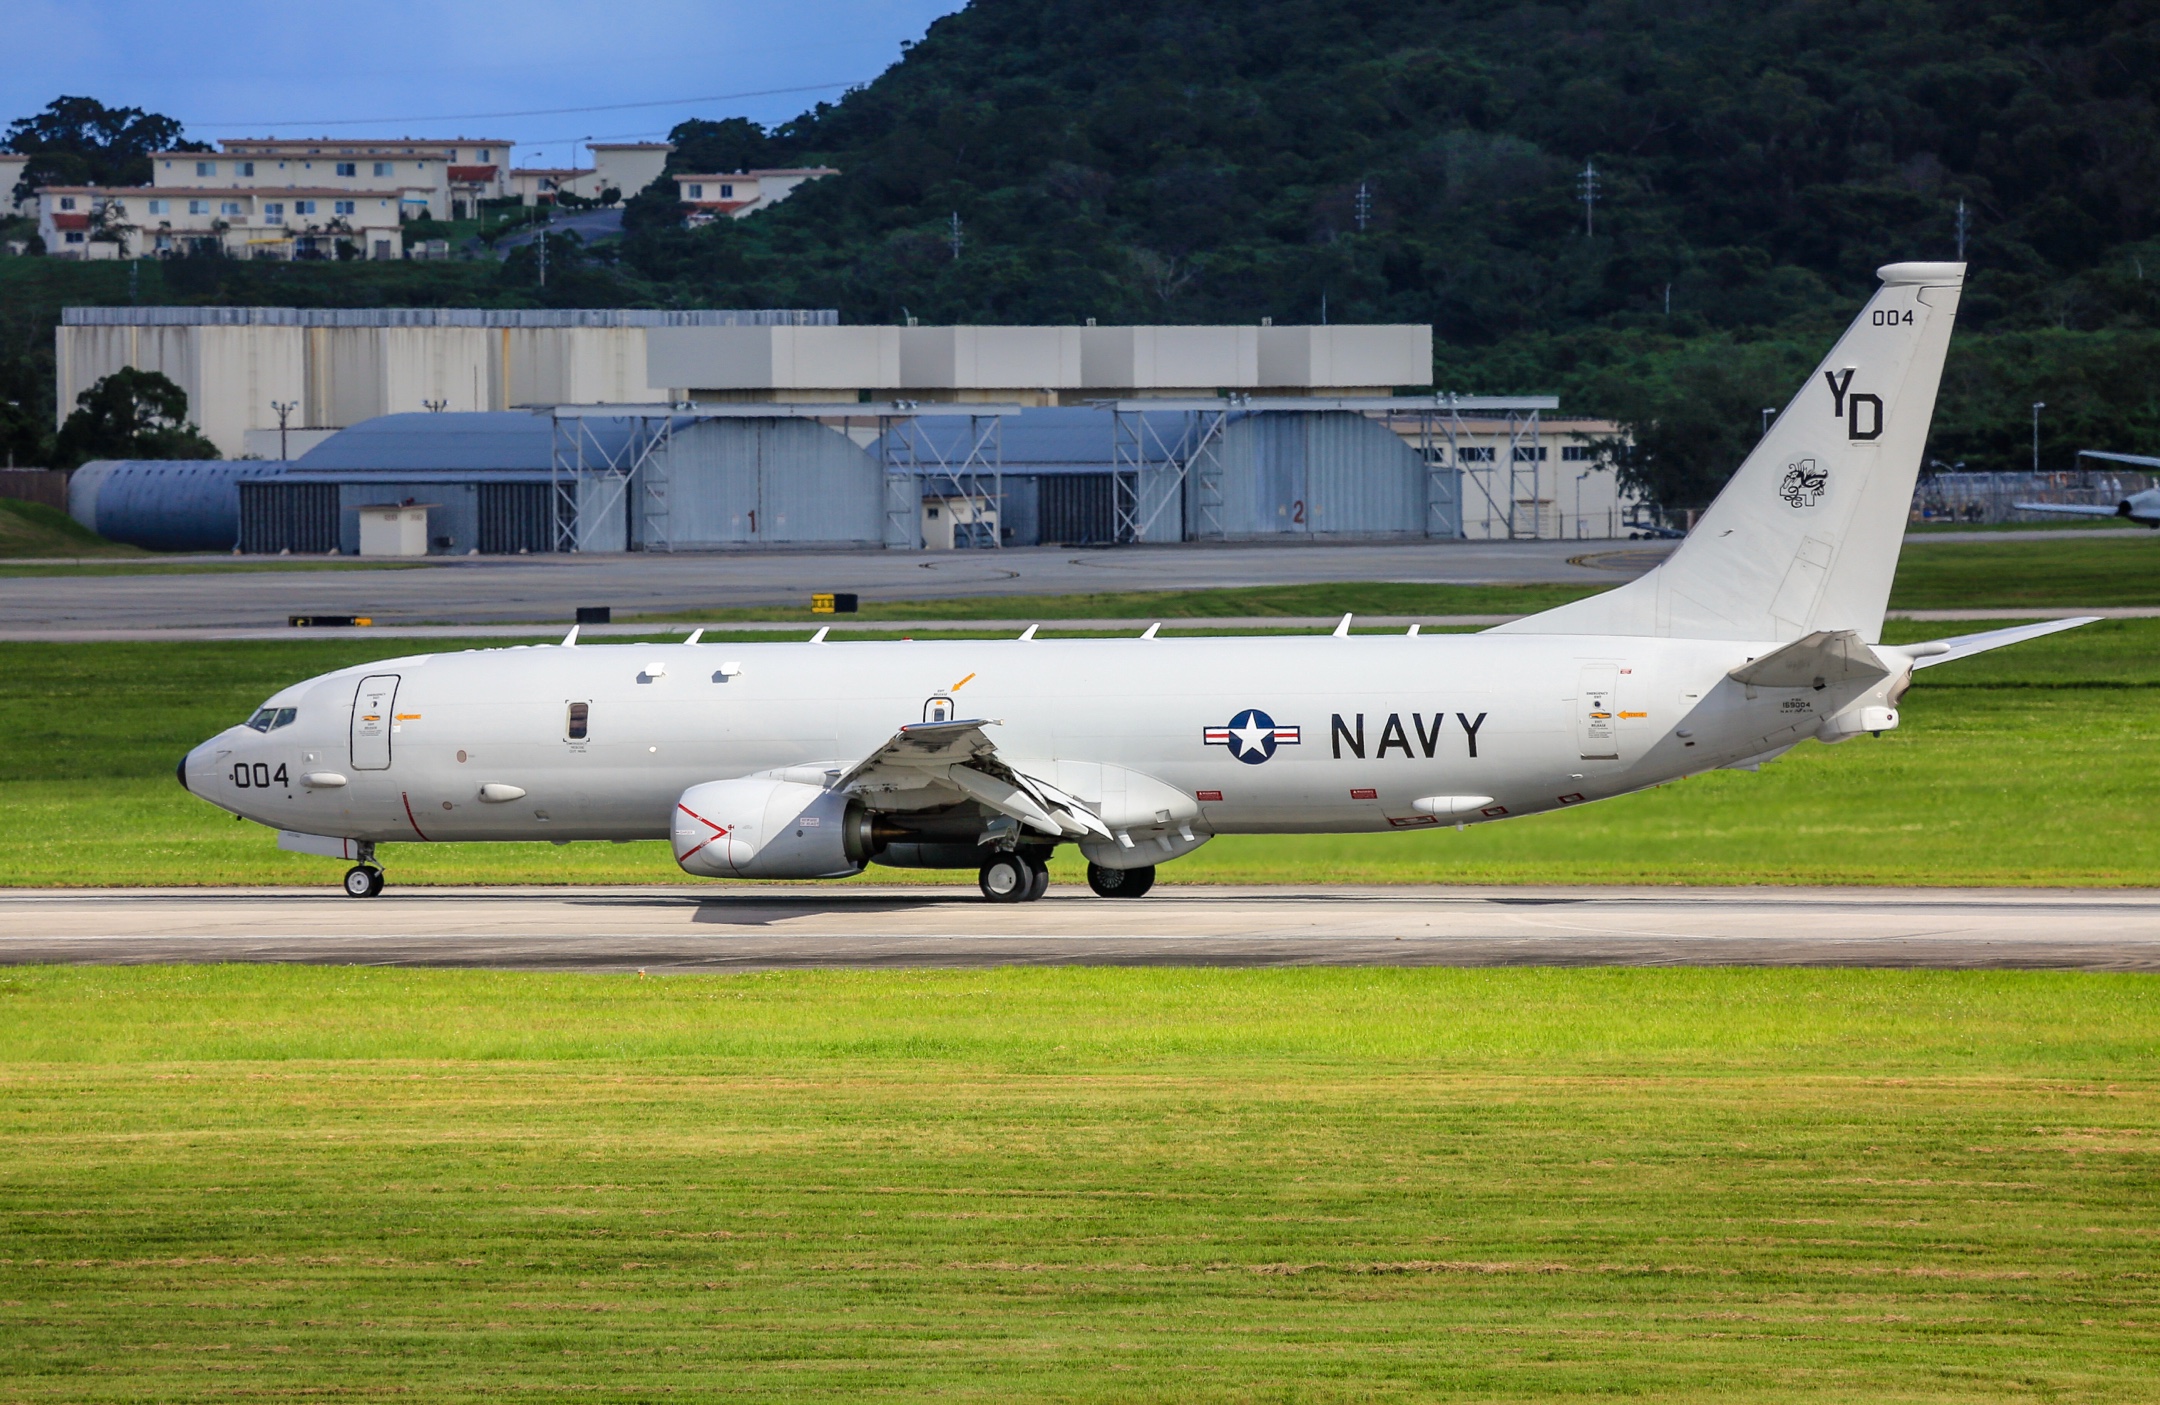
1282,1185
31,530
1981,575
2034,764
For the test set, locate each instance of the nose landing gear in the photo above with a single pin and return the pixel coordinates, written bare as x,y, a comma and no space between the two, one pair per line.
363,880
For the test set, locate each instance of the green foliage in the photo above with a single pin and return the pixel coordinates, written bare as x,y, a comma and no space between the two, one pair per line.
31,529
1078,1185
130,414
80,141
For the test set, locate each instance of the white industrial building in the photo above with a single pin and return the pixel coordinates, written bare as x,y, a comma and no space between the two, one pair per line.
335,367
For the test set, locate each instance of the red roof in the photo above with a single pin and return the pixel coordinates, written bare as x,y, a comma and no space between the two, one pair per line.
472,175
75,220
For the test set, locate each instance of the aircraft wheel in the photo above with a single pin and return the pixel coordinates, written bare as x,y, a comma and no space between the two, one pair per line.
363,881
1041,885
1120,882
1007,878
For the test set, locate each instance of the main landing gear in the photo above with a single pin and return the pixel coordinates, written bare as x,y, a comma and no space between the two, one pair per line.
363,880
1014,877
1121,882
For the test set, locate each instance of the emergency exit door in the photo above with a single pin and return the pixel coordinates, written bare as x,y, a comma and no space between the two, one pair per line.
373,711
1597,715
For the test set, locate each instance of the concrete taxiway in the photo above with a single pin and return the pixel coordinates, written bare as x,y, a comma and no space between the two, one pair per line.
528,589
739,928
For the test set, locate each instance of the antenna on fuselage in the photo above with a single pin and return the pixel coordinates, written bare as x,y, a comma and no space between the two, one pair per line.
1149,632
1028,633
819,637
1342,631
570,639
695,635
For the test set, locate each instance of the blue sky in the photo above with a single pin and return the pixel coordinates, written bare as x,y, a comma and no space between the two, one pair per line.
251,68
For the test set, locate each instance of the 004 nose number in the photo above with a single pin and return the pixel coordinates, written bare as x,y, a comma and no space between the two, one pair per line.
257,775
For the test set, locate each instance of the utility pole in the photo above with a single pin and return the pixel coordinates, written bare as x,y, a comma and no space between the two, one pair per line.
2038,406
1961,228
543,256
954,236
1587,182
283,408
1364,205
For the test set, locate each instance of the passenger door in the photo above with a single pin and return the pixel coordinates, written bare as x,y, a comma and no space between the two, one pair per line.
374,707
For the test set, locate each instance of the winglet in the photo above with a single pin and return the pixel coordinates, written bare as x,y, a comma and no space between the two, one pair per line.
570,638
1342,631
1149,632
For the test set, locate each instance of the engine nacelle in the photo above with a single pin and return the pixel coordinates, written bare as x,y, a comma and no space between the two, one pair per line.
758,827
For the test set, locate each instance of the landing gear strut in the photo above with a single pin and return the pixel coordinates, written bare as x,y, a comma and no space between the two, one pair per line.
1120,882
363,880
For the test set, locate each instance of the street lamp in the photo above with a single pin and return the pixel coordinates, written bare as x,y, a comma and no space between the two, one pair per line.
283,408
2038,406
1768,411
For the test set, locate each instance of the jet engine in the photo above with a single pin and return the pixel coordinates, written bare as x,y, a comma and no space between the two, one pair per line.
758,827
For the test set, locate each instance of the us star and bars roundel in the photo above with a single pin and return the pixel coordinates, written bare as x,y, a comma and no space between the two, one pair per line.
1252,736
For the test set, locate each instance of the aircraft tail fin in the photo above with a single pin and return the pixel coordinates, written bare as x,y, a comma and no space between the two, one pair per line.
1805,537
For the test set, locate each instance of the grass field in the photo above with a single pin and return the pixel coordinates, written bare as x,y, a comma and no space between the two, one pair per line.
2030,765
1292,1185
31,529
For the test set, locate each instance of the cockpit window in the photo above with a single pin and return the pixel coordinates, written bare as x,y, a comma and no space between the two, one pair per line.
269,719
285,716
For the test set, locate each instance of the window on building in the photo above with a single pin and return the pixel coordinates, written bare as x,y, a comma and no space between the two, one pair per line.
229,207
341,207
1578,453
303,207
727,192
198,207
697,192
243,168
450,155
74,236
157,207
383,168
348,168
206,168
1474,453
67,202
1525,454
483,154
274,212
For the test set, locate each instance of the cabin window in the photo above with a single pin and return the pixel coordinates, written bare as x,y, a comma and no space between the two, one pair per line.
580,713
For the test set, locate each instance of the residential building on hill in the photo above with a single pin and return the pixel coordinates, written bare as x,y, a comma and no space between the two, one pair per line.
627,167
740,193
263,197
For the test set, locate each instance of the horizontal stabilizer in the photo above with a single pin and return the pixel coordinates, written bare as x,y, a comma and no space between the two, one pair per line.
1964,646
1823,658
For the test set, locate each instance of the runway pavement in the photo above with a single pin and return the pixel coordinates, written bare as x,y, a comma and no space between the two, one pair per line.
742,928
505,590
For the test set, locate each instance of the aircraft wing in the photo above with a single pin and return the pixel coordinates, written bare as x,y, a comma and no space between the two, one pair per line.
960,757
1962,646
2069,509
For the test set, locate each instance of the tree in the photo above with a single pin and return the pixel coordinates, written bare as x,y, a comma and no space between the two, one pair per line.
130,414
80,141
735,144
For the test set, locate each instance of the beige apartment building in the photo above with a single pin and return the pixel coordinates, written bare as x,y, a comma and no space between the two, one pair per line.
271,198
627,167
742,193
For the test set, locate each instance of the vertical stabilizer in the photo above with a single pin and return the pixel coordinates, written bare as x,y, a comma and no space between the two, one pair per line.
1805,537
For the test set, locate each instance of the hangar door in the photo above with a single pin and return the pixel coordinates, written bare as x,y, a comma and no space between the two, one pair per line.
759,482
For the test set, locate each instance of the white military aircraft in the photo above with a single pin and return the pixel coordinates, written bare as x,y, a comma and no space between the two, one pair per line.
2141,508
814,760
